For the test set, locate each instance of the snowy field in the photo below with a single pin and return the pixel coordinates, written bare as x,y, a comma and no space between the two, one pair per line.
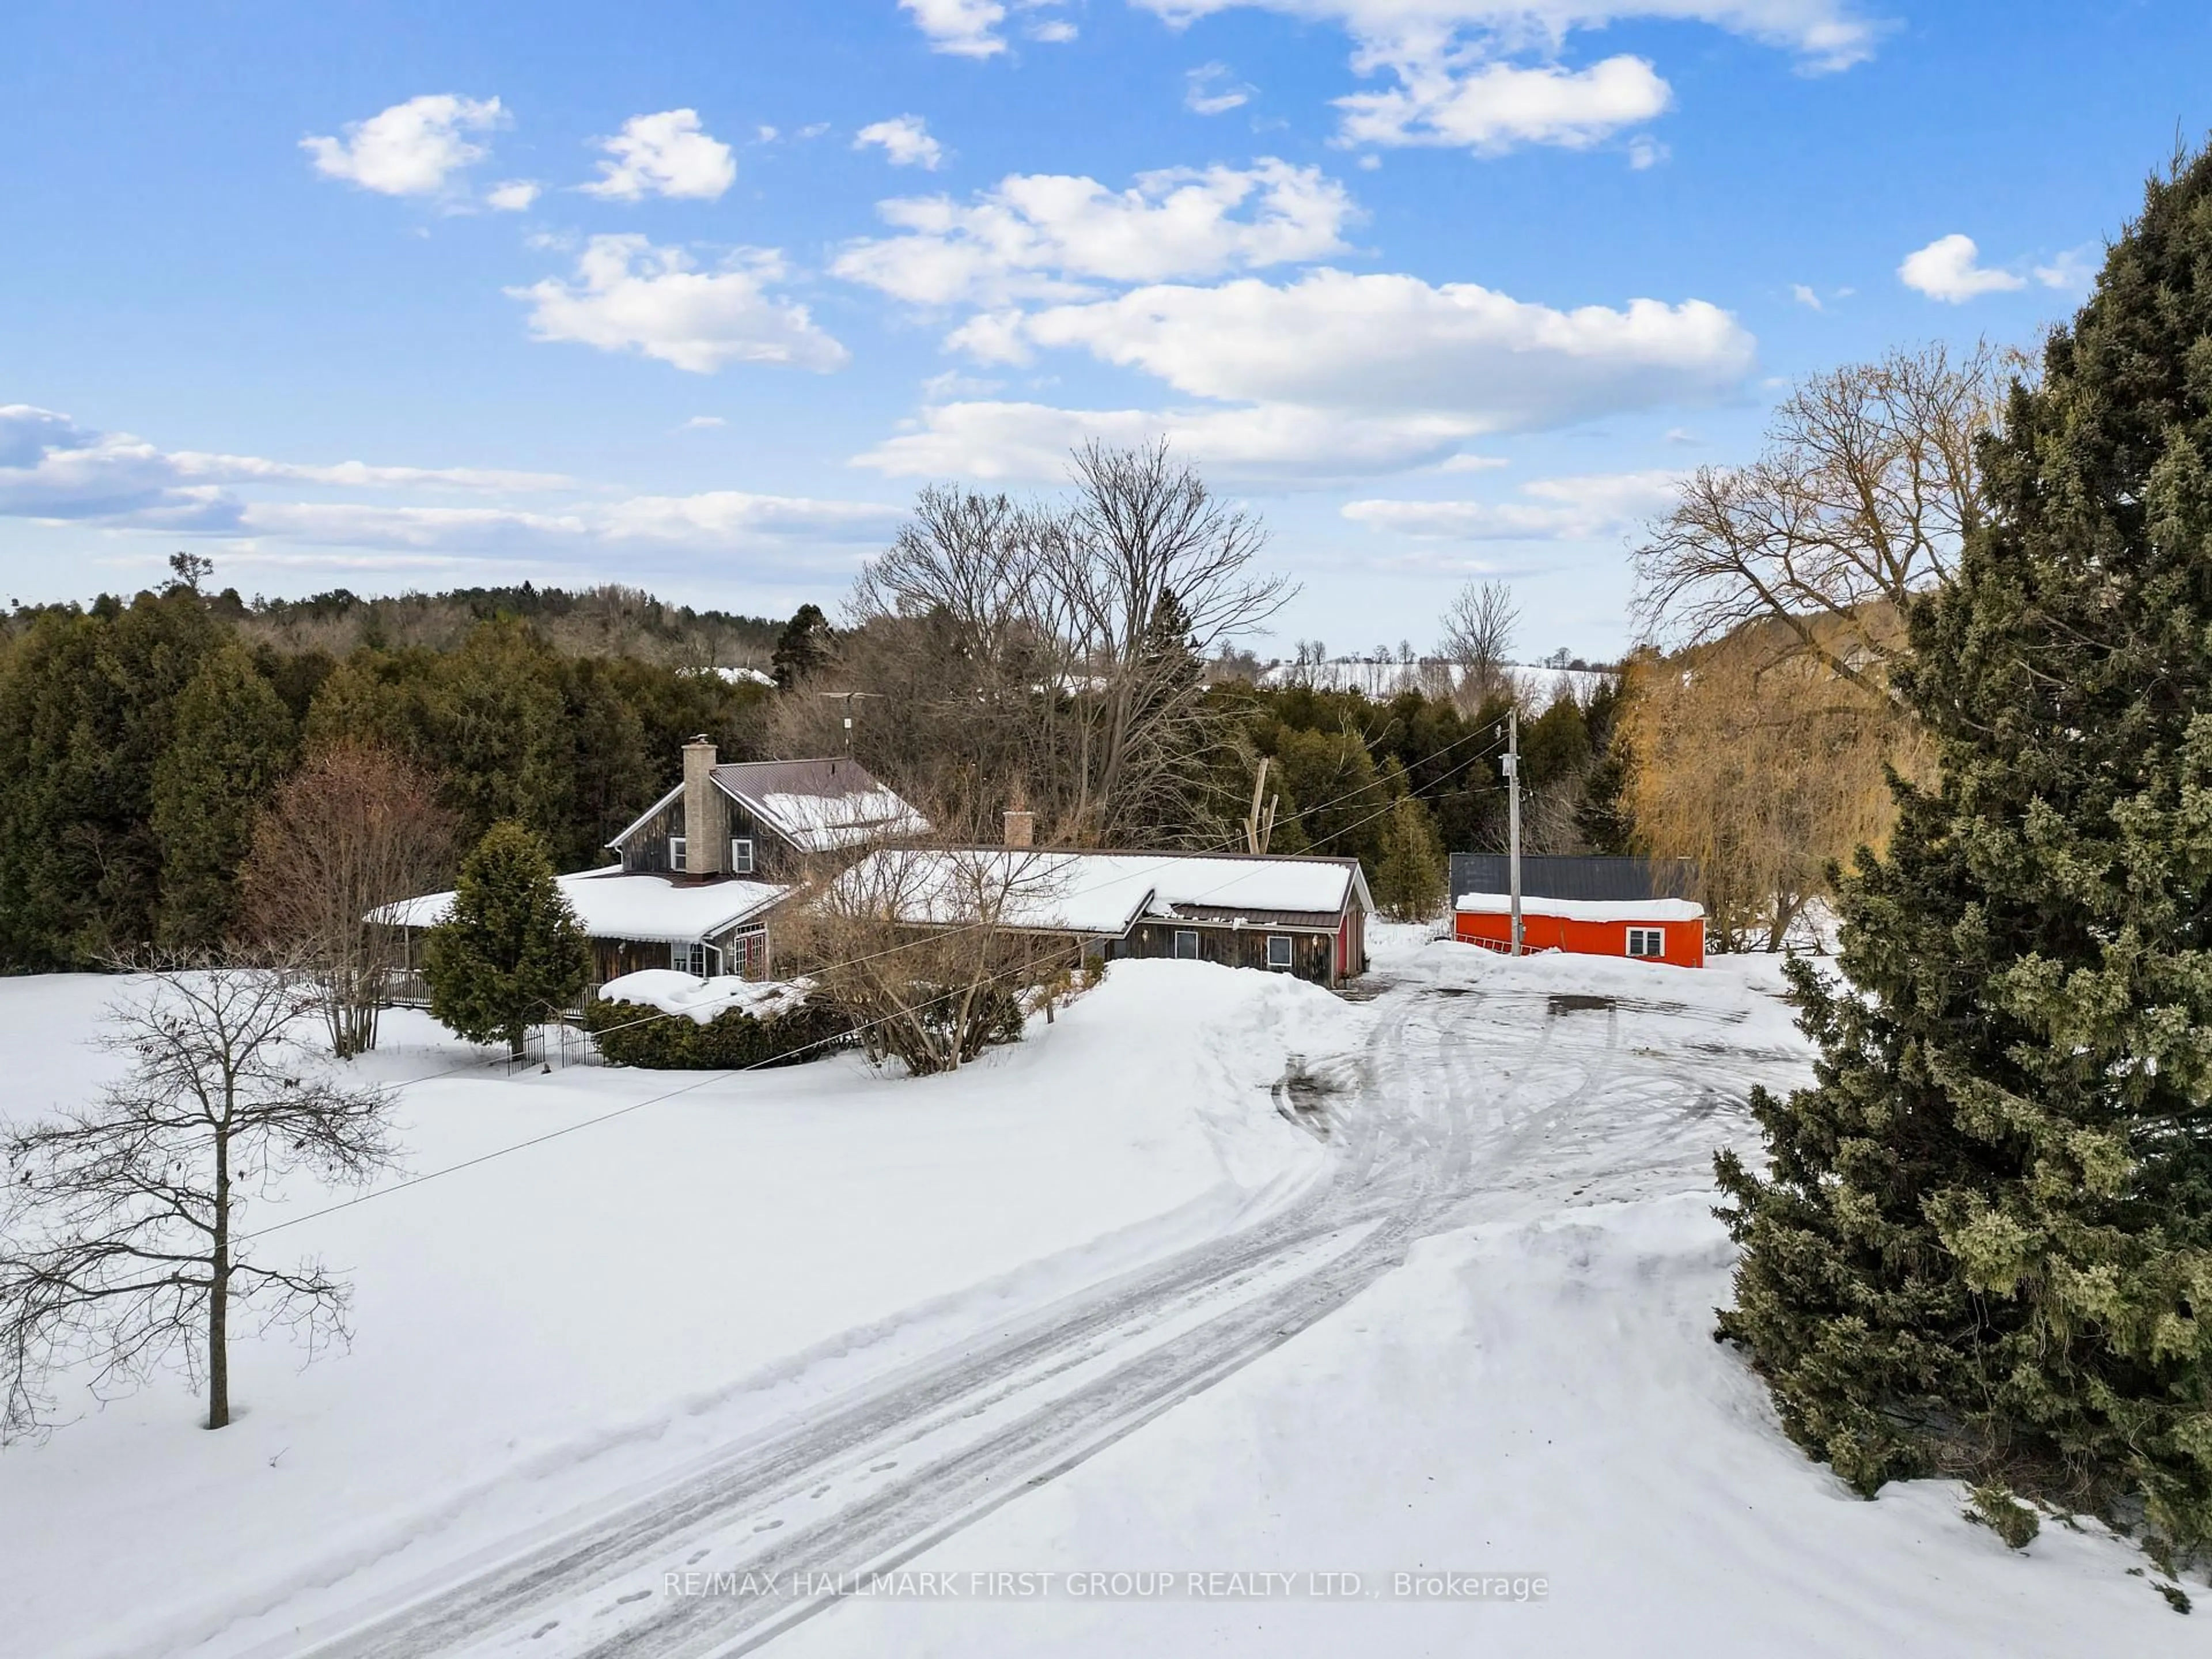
999,1323
563,1322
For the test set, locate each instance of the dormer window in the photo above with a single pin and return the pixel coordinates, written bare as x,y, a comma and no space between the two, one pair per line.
675,860
741,855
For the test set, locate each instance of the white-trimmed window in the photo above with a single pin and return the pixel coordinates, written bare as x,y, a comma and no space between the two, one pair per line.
1647,941
1186,943
1278,950
741,855
675,856
693,958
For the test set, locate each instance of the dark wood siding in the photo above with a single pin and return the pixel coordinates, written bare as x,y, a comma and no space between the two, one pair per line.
1313,955
645,852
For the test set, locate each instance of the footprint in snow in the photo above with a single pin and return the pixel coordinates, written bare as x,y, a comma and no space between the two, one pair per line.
817,1492
877,1468
551,1623
767,1526
697,1556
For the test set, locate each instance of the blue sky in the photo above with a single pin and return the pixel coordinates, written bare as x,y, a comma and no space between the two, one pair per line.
695,297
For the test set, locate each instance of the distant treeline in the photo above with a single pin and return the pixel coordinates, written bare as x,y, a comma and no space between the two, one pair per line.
140,740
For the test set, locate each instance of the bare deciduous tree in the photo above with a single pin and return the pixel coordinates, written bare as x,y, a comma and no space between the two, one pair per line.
932,951
1762,770
1867,486
354,829
121,1246
1062,650
1478,640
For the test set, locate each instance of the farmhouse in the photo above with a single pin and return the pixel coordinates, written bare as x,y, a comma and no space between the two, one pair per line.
1305,916
702,869
1610,907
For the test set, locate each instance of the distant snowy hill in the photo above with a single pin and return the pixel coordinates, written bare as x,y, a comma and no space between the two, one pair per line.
1540,687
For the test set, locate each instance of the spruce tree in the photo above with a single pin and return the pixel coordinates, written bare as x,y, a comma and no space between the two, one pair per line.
510,952
230,741
1410,879
803,648
1983,1246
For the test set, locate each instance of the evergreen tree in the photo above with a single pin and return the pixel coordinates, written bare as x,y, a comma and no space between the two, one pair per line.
1409,878
86,698
230,741
510,953
803,648
1984,1243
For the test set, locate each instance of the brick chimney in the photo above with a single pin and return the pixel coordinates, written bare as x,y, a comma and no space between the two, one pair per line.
1021,827
705,823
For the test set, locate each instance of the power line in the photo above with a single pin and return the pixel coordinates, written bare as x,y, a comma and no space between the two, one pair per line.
841,1038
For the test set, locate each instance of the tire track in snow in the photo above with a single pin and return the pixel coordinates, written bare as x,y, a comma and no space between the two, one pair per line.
1474,1102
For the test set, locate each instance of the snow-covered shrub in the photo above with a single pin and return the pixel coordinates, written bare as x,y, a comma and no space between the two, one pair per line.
665,1021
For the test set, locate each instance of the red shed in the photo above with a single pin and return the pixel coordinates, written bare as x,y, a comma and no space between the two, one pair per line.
1669,930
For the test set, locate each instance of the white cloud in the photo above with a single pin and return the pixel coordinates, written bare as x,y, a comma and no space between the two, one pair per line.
904,140
1210,89
1950,268
513,196
663,155
1826,36
1493,107
2072,272
1473,463
702,422
410,149
1804,296
1046,235
1455,80
970,28
1278,443
1572,509
717,521
627,294
1396,344
53,468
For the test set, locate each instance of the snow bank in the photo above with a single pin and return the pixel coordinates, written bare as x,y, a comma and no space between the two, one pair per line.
536,1331
702,1000
1540,1399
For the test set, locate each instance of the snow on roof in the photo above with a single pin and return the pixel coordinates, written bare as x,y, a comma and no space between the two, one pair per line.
1657,910
1052,890
820,805
612,905
819,824
701,1000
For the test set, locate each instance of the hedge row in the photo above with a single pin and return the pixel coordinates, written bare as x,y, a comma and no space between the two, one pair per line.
628,1034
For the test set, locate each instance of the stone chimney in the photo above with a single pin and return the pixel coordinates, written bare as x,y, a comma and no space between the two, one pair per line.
1021,827
705,823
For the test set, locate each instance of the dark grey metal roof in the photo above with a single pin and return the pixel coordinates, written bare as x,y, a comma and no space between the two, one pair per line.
1607,880
841,775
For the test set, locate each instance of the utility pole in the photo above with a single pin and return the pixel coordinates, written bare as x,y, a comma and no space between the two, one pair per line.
846,697
1513,815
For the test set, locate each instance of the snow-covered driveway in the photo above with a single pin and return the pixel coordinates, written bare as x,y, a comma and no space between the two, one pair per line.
1485,1092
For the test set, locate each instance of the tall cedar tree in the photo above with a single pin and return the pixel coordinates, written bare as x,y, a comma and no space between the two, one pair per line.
1410,879
510,953
803,648
1985,1241
230,742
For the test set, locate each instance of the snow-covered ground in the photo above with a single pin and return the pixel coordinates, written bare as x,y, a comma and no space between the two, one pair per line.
566,1321
1095,1307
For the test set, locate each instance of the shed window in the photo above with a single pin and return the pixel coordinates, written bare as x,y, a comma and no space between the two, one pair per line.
1647,942
1185,943
741,855
1278,950
676,861
696,957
